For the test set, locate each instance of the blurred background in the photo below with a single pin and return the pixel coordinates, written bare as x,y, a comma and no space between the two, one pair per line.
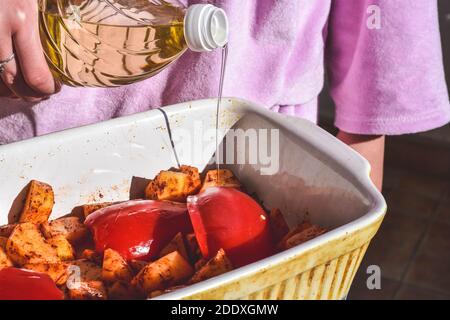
412,247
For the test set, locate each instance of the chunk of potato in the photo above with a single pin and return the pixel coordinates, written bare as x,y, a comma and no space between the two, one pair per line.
200,263
70,227
38,203
158,293
92,256
225,178
195,181
6,230
176,244
91,208
137,265
174,185
85,281
192,247
27,245
3,241
89,290
88,271
85,244
57,271
64,249
121,290
4,260
155,294
278,225
115,268
218,265
168,271
302,233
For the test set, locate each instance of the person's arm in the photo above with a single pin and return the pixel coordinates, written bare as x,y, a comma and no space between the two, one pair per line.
370,147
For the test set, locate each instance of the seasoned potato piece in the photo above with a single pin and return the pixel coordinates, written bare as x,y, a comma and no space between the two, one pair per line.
226,179
89,290
92,256
200,263
91,208
278,225
38,203
174,185
167,186
194,180
193,248
151,192
3,241
89,271
121,290
115,268
64,249
176,244
302,233
6,230
70,227
84,244
137,265
155,294
218,265
27,245
4,260
158,293
56,271
163,273
89,285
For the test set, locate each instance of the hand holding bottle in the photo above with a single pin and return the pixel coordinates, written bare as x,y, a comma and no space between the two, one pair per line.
23,70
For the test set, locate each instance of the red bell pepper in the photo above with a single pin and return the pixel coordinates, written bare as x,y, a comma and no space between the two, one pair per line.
22,284
230,219
138,229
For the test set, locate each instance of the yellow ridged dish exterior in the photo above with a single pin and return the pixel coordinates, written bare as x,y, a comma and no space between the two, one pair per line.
325,272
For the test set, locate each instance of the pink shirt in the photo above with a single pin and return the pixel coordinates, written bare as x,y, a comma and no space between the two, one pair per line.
384,81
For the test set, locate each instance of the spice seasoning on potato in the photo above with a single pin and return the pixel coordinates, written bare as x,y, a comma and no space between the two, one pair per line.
27,245
218,265
38,203
224,178
69,227
115,268
63,248
4,260
176,244
168,271
174,185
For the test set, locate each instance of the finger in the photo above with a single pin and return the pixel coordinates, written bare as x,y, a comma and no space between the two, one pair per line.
11,76
4,91
31,57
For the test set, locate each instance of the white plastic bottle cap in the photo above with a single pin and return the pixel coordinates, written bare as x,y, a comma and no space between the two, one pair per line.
205,27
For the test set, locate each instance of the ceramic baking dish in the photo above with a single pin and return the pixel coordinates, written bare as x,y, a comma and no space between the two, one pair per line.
317,177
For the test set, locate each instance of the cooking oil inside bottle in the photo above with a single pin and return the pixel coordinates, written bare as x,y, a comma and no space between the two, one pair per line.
94,44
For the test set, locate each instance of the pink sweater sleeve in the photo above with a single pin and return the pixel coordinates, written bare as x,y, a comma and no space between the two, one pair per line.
386,80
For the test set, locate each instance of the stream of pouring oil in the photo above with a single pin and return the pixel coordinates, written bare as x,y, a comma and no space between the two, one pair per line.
219,104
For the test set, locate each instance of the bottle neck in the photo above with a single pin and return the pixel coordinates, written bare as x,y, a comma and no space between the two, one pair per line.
205,27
